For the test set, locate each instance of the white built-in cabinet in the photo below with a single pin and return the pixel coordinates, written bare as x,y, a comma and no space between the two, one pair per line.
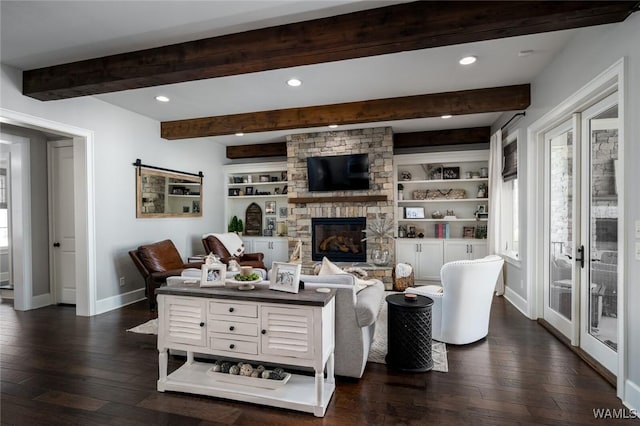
275,249
414,175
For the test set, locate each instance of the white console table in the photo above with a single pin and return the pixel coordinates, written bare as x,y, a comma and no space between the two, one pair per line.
261,326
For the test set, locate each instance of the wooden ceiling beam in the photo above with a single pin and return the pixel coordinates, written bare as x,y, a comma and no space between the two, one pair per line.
470,135
476,101
466,136
391,29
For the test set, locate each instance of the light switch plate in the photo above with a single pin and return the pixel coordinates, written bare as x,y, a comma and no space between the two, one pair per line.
637,228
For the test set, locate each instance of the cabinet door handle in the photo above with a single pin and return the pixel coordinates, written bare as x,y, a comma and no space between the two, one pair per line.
232,328
264,331
231,346
231,309
201,324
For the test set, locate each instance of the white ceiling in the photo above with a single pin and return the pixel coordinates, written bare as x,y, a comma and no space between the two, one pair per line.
44,33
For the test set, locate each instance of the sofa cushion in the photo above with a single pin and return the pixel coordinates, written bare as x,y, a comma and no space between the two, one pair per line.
330,268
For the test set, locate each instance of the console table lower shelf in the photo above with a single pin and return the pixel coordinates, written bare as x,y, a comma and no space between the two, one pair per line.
299,393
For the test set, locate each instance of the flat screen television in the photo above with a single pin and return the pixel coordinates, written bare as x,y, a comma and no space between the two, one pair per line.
338,172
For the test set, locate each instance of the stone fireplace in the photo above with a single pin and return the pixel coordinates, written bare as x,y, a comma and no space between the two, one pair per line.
378,144
339,239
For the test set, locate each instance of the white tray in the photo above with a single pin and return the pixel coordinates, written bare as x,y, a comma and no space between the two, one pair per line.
229,282
248,381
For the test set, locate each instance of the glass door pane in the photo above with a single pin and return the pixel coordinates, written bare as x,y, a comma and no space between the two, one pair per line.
561,156
603,227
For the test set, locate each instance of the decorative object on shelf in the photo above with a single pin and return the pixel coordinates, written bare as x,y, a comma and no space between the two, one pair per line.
253,220
481,232
283,176
437,215
237,179
285,190
264,178
234,192
213,275
451,173
481,212
249,179
434,171
467,175
285,277
378,229
282,229
484,172
282,212
421,235
274,178
414,213
482,191
276,191
233,224
468,232
405,175
270,207
445,194
402,232
240,227
400,193
450,215
271,223
412,232
475,176
248,190
195,206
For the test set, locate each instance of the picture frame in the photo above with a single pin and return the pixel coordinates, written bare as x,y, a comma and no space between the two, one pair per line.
195,206
248,190
264,178
271,223
285,277
269,207
282,212
414,213
434,171
468,232
213,275
451,173
283,176
234,192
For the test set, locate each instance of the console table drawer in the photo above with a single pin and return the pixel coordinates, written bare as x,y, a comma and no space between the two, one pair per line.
235,346
231,327
233,309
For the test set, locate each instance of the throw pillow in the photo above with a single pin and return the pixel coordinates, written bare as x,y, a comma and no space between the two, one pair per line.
329,268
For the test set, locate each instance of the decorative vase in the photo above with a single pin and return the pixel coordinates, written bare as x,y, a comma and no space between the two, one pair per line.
380,256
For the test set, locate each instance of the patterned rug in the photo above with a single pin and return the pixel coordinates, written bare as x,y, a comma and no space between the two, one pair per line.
379,347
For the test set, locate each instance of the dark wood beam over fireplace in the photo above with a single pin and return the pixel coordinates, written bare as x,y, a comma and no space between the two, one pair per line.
441,137
391,29
475,101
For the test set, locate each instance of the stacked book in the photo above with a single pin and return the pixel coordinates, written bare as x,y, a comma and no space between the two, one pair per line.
442,230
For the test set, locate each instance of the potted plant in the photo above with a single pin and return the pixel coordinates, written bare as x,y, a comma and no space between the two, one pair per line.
378,229
240,227
233,225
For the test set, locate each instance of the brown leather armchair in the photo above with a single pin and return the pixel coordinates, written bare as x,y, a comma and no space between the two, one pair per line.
213,245
156,262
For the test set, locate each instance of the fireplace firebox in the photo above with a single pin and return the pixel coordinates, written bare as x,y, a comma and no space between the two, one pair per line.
339,239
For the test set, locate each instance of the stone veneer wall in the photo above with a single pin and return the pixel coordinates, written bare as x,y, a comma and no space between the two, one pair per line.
377,142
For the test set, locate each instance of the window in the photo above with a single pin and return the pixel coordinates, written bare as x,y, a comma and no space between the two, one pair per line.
510,238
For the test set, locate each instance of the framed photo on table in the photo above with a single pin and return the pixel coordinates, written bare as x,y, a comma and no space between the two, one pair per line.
285,277
213,275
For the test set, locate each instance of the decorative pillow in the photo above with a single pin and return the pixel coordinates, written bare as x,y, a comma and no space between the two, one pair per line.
329,268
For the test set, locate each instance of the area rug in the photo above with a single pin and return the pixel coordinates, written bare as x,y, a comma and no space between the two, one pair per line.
378,349
377,352
149,327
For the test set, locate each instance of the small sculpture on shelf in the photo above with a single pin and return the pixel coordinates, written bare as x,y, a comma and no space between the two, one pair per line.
482,191
437,215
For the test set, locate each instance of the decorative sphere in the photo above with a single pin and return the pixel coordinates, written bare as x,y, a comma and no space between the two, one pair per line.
265,374
260,368
255,373
216,368
246,370
224,367
234,369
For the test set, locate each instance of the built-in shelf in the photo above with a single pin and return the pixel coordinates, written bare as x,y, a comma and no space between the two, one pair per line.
279,182
259,196
471,219
443,180
444,200
341,199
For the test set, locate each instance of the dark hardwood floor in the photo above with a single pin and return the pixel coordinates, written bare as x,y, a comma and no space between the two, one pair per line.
57,368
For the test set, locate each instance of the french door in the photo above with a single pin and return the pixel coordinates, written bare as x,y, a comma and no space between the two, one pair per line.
581,230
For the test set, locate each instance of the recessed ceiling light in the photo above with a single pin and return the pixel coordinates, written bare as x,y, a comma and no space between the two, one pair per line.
294,82
333,126
239,134
468,60
162,98
446,116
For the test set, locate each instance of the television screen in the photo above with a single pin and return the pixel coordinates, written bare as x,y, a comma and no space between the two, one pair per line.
338,173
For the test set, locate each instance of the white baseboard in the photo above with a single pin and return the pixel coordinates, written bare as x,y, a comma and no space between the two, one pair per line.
518,301
41,301
118,301
632,396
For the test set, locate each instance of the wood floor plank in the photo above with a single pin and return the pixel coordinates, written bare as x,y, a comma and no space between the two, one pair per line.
58,368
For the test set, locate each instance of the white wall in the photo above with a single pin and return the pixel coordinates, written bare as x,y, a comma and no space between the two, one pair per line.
120,137
589,53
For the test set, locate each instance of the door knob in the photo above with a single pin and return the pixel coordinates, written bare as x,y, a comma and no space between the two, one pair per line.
56,244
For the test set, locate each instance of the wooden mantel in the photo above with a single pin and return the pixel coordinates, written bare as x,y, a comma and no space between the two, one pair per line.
339,199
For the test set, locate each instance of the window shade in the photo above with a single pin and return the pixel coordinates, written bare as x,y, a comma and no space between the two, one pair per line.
510,161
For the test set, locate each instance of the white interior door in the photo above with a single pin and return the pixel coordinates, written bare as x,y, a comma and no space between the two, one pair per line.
63,244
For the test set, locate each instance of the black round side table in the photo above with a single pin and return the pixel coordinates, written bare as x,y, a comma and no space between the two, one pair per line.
409,333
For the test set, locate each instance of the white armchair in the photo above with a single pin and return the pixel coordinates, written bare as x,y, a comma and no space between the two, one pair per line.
461,307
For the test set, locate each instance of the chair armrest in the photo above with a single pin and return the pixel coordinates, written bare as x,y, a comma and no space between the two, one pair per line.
369,303
424,291
196,265
253,256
